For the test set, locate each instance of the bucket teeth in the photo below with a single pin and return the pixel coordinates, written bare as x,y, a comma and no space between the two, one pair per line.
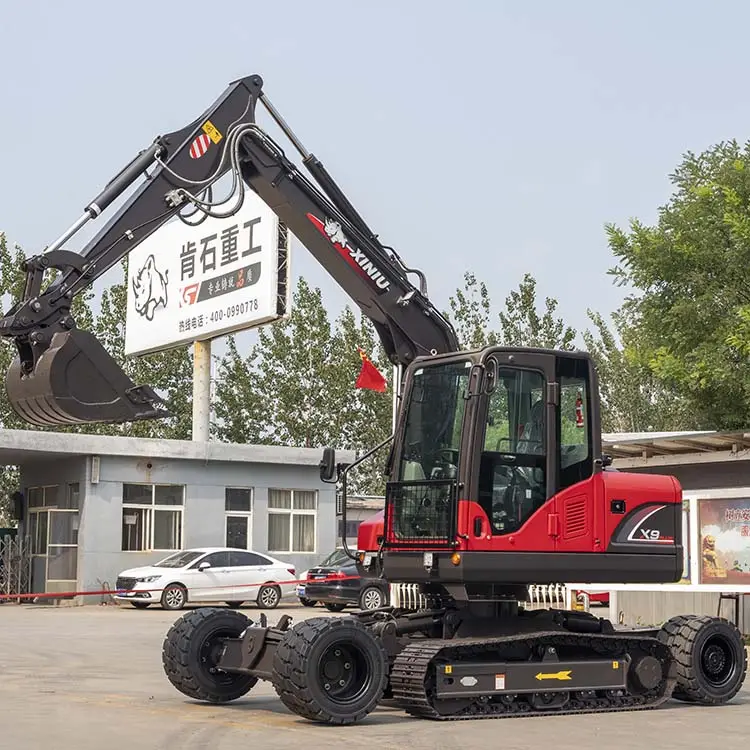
76,381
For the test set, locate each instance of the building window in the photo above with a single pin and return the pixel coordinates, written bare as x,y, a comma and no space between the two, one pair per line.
352,528
238,504
152,517
291,520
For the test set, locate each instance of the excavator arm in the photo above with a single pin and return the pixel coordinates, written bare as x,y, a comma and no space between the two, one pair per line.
63,375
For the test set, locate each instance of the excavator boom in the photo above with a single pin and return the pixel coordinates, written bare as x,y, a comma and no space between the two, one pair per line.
63,375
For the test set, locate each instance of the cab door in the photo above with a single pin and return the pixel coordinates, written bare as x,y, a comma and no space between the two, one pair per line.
517,475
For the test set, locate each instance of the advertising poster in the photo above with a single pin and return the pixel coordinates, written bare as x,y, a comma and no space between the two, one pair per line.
725,541
192,283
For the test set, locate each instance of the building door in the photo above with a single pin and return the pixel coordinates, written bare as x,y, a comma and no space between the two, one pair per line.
54,517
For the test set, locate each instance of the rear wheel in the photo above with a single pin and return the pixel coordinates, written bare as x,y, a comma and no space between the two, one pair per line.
334,606
371,598
140,605
331,670
234,605
710,655
191,650
307,602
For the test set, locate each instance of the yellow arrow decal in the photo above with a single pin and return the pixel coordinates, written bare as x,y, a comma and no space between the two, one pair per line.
554,675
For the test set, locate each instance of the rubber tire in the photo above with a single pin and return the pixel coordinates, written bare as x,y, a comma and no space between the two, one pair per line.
362,598
307,602
260,595
686,635
181,655
169,607
140,605
234,605
334,606
296,662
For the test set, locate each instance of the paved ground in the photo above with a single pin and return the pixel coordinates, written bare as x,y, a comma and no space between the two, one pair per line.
90,678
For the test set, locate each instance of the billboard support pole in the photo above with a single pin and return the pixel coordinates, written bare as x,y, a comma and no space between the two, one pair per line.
201,390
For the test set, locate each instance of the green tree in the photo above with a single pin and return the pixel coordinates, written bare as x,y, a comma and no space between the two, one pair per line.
169,372
367,415
522,324
240,415
633,399
691,304
296,386
471,307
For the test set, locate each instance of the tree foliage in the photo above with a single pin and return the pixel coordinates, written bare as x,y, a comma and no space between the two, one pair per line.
296,386
691,304
170,373
633,399
520,323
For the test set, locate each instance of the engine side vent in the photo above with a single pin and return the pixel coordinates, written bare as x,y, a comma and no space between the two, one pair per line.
575,517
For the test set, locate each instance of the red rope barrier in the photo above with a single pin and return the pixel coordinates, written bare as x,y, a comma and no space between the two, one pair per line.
115,592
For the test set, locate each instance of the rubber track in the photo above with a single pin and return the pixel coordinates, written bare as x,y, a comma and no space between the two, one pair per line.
414,670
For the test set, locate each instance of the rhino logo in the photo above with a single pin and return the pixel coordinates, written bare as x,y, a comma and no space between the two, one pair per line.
150,289
336,233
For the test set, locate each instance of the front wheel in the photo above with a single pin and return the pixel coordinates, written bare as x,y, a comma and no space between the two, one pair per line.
174,597
269,597
191,650
330,670
710,656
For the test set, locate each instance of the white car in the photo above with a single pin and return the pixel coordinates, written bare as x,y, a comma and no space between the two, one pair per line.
208,574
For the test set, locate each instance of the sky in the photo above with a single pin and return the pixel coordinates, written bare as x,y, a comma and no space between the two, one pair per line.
494,137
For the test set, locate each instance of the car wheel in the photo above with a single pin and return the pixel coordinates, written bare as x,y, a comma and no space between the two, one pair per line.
307,602
371,598
334,606
140,605
269,597
234,605
174,596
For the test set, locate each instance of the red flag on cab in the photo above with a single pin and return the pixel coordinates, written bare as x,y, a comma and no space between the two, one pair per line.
369,376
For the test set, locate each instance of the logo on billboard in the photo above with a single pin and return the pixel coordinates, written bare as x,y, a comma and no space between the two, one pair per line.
149,289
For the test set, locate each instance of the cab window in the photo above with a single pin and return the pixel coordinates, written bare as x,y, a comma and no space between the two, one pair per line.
574,422
512,474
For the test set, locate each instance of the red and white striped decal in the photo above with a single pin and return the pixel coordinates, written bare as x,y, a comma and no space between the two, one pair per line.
199,146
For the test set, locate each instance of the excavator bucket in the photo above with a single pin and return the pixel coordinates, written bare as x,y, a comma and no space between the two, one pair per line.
76,381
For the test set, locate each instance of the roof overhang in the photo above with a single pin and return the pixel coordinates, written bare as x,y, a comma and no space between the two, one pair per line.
21,446
630,450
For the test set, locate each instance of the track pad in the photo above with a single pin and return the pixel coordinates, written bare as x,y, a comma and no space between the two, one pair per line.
76,381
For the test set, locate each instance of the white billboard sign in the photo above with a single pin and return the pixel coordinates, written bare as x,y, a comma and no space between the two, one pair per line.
190,284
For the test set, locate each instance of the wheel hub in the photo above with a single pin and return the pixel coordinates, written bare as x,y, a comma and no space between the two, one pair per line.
714,660
343,673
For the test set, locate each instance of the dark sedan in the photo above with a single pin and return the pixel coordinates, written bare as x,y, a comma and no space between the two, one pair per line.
336,584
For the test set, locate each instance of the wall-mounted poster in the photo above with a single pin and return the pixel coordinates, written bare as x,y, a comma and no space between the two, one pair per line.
725,541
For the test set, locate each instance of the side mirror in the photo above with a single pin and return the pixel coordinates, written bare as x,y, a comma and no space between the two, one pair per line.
327,465
204,566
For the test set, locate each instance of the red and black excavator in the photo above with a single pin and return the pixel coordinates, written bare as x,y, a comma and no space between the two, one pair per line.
495,478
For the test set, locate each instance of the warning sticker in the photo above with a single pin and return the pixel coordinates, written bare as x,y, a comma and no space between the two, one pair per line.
499,682
210,130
